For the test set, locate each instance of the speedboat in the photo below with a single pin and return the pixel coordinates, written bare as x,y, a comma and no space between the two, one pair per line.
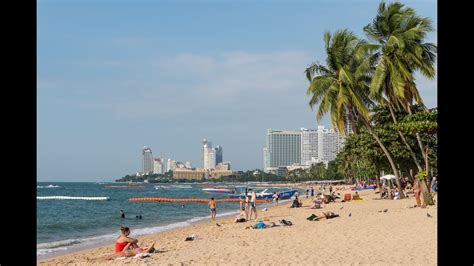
268,195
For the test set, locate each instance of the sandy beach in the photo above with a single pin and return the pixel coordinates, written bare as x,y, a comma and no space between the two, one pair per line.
401,235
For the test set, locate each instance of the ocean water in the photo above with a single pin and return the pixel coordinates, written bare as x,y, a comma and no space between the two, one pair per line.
68,225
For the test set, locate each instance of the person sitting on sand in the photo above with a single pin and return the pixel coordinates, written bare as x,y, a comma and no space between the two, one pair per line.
296,203
127,247
124,242
396,195
317,204
356,196
242,217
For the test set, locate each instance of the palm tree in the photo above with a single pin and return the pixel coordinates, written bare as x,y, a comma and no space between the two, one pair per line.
341,88
399,51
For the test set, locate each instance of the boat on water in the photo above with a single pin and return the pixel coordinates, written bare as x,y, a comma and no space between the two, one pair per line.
124,186
218,190
268,195
173,187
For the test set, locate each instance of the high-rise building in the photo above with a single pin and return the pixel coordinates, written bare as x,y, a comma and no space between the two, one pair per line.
218,151
171,165
203,149
147,160
328,144
209,157
314,145
309,145
283,148
158,166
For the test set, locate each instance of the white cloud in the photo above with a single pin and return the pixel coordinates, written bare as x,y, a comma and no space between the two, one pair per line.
187,83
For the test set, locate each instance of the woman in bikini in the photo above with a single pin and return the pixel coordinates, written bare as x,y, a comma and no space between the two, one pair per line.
127,247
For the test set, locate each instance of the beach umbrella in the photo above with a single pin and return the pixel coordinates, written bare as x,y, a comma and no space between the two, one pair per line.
387,177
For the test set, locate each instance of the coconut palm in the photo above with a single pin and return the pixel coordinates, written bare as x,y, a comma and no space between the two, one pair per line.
341,87
400,51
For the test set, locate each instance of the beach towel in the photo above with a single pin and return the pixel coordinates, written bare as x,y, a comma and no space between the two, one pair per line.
140,255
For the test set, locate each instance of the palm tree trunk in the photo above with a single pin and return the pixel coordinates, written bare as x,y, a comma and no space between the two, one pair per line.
387,154
426,192
412,153
424,187
418,138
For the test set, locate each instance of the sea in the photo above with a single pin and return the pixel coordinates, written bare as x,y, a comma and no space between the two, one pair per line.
65,226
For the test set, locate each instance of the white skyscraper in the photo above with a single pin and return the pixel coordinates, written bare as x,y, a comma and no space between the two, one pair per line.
209,156
283,148
203,149
147,160
158,166
328,144
309,145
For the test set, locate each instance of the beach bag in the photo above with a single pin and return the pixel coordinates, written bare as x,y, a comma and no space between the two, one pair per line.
285,222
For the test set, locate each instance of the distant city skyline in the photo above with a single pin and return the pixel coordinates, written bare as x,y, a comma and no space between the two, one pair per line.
113,76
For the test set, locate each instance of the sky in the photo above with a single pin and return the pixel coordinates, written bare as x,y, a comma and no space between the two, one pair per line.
116,75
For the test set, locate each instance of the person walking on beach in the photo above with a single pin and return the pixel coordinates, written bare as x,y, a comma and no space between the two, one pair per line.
253,204
213,208
312,192
275,199
122,214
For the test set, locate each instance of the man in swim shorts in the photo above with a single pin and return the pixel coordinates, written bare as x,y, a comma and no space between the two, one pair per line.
213,208
253,204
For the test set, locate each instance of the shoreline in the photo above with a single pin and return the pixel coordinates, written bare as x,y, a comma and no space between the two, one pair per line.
361,235
104,243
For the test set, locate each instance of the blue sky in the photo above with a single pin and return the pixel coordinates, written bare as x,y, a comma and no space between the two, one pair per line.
114,76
